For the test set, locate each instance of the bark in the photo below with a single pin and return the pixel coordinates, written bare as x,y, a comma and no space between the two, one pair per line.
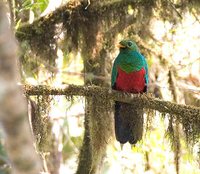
85,156
13,107
12,12
141,101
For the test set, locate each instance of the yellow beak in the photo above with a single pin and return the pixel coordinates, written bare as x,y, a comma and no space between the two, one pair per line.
120,46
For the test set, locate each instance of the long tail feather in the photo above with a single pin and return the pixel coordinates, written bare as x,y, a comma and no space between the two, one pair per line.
136,125
128,123
121,123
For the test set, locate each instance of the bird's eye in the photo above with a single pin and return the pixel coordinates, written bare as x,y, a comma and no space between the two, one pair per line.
129,43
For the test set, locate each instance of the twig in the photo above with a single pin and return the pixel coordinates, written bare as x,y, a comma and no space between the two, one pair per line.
173,6
87,5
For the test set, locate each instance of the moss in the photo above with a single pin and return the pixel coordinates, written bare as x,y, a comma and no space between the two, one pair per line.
42,129
75,22
93,32
41,122
150,113
99,120
85,156
101,127
188,116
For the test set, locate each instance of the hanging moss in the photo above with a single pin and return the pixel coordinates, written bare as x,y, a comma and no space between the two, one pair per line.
187,115
101,127
150,113
103,19
41,122
72,19
93,31
42,130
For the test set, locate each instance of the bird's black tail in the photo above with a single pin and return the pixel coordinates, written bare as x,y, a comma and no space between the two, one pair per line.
128,123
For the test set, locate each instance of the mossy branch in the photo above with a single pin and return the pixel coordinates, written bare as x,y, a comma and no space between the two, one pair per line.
97,116
140,101
66,13
98,9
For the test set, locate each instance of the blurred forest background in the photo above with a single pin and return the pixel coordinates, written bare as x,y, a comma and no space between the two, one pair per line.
74,42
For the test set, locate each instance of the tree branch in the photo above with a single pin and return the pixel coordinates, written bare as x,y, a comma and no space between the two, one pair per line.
141,101
65,13
189,116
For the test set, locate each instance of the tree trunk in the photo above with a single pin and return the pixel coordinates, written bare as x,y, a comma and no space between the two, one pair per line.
97,130
13,107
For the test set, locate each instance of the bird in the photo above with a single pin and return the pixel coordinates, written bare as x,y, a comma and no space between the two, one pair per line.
129,74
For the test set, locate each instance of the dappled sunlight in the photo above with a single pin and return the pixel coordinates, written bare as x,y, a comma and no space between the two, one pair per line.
180,43
69,68
78,46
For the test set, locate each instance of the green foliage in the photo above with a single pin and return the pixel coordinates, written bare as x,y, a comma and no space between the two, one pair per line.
38,6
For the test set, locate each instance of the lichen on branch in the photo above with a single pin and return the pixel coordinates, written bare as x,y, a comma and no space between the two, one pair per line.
143,101
185,114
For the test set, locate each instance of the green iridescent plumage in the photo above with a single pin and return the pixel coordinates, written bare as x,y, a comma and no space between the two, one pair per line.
130,74
129,60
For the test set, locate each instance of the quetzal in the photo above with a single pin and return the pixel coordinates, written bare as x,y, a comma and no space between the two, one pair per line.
129,74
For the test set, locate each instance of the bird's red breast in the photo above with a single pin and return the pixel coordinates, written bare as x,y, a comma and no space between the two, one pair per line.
133,82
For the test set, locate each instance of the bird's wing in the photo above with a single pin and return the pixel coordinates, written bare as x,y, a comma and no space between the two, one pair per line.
146,69
114,71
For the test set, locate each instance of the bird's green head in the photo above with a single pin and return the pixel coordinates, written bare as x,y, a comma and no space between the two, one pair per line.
128,44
